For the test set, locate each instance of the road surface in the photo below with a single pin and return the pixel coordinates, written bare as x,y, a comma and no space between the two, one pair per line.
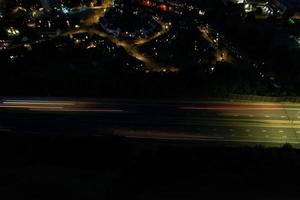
236,123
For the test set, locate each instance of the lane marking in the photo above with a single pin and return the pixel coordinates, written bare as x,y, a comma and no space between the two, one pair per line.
283,116
267,116
174,137
228,108
264,131
276,141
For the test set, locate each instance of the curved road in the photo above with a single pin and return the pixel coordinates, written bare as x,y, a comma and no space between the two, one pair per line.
131,47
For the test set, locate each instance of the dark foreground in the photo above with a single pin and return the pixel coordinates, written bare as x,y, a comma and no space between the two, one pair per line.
89,167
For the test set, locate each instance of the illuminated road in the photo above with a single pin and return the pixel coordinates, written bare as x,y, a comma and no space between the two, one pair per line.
98,12
221,55
235,123
131,47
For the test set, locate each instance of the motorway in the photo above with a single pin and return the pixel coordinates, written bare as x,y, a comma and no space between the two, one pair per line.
226,122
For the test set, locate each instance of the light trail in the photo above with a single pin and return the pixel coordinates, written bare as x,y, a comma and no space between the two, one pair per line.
208,122
30,107
80,110
32,102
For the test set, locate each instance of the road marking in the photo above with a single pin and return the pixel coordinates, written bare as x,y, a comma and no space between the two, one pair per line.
249,123
297,131
230,108
140,135
283,116
267,116
281,131
264,131
298,117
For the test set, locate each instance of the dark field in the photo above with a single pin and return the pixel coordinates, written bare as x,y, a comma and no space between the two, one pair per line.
38,167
